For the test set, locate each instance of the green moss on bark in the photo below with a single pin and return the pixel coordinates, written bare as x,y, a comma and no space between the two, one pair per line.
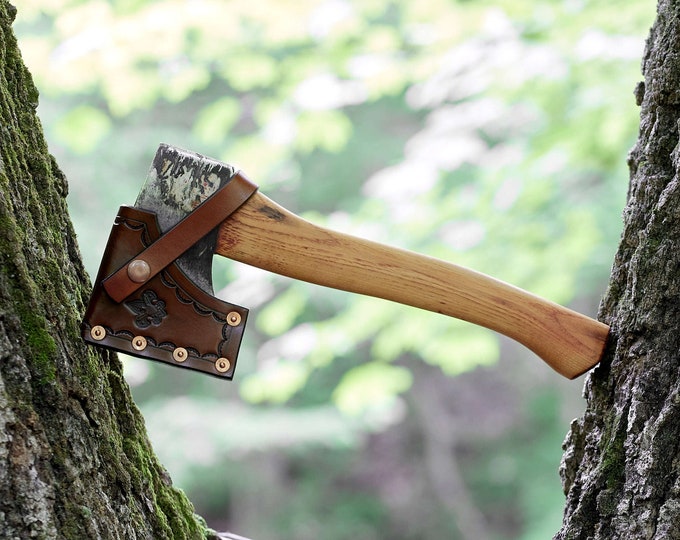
41,345
75,456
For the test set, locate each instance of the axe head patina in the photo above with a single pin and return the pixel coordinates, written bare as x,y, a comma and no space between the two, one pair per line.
153,295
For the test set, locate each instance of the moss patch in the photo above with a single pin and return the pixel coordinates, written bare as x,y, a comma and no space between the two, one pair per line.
41,344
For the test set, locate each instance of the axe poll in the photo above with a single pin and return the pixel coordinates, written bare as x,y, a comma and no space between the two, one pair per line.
153,294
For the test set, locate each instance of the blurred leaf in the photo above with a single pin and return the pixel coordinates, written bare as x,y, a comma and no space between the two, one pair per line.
325,130
183,81
82,128
462,350
405,334
280,314
129,6
260,158
373,385
246,71
216,119
276,385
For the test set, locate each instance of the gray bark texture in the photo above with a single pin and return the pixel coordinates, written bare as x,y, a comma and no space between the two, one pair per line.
621,466
75,461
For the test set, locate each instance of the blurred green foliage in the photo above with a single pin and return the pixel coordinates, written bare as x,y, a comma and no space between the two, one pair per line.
491,134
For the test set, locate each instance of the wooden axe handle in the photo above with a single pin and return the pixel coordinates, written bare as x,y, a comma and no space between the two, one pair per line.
261,233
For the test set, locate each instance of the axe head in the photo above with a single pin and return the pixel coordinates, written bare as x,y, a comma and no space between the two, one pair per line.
153,296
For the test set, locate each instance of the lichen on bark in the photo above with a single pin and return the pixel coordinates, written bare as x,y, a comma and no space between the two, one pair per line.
620,468
75,461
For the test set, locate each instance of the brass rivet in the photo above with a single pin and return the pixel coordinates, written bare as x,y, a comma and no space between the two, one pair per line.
180,354
222,365
234,318
98,333
139,271
139,343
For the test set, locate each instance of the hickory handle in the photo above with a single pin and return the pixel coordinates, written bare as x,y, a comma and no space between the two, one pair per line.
261,233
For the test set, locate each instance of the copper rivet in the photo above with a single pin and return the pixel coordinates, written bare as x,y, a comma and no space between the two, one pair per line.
234,318
98,333
139,343
139,271
180,354
222,365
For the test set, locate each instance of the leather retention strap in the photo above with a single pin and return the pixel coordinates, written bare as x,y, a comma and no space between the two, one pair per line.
208,215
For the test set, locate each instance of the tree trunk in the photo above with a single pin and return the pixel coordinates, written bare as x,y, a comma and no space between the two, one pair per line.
75,461
620,468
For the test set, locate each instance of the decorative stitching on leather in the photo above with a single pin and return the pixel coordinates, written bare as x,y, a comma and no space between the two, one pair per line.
135,225
226,334
183,297
199,308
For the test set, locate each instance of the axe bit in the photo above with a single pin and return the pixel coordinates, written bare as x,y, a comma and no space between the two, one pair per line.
261,233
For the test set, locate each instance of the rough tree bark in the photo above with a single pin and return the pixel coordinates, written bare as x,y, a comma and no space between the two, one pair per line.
621,467
75,461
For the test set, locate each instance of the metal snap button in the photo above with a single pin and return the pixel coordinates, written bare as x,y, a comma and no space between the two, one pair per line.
139,271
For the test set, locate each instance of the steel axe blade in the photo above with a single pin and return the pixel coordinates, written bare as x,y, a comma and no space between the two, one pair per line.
254,230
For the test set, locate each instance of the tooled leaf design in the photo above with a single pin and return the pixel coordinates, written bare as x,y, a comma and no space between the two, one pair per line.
149,309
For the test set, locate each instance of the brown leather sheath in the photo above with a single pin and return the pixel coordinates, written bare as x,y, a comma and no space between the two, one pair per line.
166,317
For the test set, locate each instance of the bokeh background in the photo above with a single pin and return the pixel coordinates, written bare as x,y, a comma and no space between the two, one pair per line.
491,134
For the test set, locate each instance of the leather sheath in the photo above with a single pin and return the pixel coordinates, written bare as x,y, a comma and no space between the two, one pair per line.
166,317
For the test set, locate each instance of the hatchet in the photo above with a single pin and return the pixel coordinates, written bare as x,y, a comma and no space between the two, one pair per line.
153,293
